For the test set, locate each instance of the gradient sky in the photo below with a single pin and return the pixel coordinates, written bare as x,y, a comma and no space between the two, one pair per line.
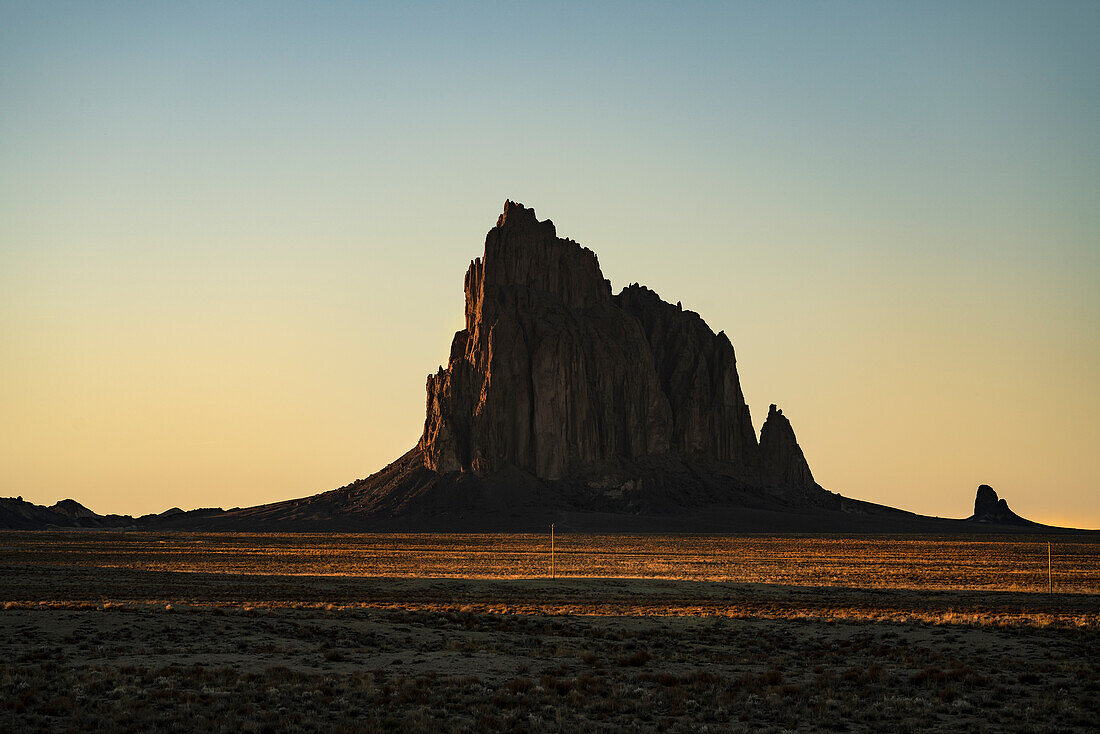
233,235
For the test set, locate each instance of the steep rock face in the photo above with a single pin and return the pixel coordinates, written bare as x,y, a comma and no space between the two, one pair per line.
549,374
988,508
697,370
781,458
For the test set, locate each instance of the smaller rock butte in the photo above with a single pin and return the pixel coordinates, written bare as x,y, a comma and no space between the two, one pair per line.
553,374
988,508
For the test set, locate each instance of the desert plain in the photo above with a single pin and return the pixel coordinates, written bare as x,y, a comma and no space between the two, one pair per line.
124,631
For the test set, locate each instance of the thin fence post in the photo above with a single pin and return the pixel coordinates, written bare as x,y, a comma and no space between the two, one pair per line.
552,574
1050,579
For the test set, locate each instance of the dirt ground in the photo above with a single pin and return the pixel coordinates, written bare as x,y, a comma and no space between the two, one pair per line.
126,649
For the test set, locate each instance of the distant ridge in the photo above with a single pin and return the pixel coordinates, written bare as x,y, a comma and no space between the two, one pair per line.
563,402
18,514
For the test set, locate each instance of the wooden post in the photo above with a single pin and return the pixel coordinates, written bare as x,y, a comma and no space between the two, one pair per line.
552,575
1050,580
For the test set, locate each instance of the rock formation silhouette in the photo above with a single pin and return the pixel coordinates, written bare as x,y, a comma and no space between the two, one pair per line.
560,396
988,508
563,402
553,373
780,455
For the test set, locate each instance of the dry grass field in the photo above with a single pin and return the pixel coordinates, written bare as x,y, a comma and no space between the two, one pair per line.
1016,563
383,633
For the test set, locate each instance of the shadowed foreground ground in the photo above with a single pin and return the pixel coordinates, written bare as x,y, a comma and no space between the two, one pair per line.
135,649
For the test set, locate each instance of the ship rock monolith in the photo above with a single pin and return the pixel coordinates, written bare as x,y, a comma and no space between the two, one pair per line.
553,374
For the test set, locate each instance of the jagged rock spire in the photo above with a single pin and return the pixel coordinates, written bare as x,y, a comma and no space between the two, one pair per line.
781,458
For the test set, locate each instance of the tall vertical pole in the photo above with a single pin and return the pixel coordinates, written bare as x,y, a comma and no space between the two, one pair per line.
552,575
1050,580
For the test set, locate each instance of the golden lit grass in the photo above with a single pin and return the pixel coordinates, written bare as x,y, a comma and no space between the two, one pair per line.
934,562
82,588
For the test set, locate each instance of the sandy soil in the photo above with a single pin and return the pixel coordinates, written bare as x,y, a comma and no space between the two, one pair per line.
133,649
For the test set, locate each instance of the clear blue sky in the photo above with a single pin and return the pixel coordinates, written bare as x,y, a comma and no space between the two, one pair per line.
232,235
